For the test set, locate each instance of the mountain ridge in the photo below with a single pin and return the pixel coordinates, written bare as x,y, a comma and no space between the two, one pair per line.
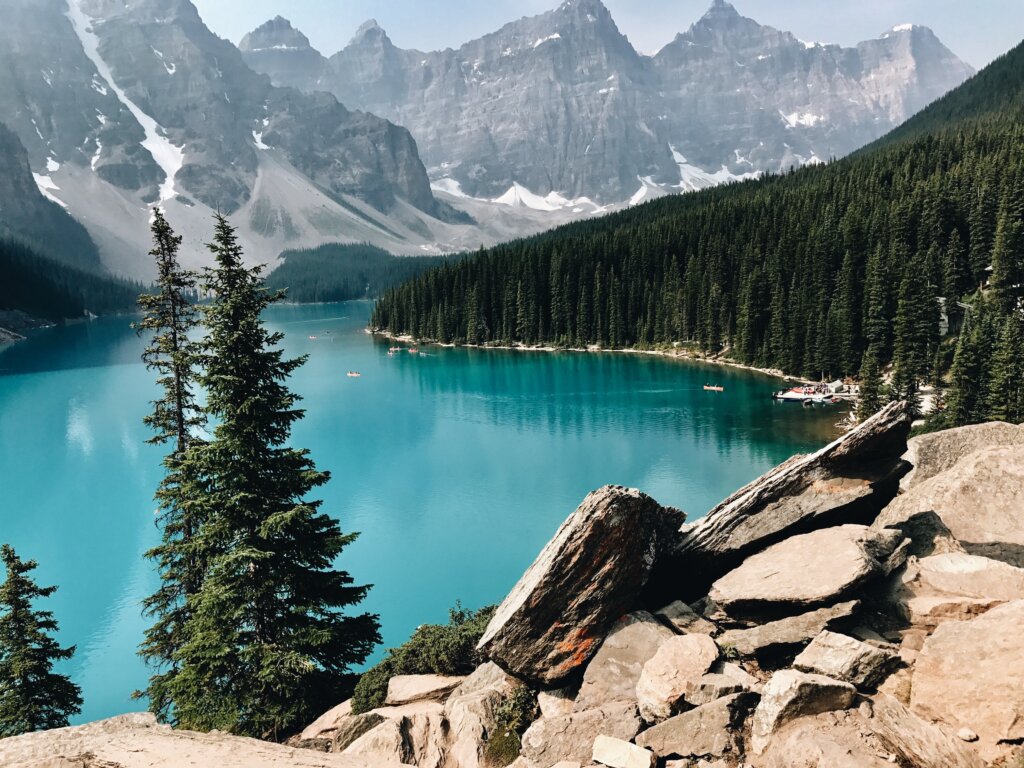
617,124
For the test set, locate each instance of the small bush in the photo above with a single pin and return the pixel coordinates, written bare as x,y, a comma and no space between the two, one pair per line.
512,717
433,649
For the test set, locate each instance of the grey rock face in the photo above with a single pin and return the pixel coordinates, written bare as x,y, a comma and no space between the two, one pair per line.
282,52
27,215
585,579
849,481
710,731
806,572
562,102
132,103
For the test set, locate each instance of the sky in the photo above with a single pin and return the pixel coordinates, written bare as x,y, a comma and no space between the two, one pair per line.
976,30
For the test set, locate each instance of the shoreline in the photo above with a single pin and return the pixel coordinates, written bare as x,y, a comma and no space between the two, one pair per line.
680,354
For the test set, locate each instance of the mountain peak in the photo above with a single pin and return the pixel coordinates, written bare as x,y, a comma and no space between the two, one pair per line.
370,25
276,34
721,10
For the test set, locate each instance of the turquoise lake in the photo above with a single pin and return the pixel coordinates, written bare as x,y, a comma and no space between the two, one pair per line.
457,467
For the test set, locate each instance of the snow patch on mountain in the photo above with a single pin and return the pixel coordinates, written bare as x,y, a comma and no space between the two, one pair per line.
693,178
165,153
543,40
806,119
47,188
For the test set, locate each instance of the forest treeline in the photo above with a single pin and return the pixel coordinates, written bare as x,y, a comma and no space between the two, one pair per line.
822,272
341,272
48,289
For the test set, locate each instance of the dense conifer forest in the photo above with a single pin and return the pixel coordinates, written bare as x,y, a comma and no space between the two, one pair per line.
339,272
822,272
48,289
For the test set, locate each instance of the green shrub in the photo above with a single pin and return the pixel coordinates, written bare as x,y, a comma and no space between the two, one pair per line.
433,649
512,717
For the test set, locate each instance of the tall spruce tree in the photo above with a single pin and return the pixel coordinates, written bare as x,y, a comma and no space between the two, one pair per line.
32,696
870,401
1006,388
171,317
268,646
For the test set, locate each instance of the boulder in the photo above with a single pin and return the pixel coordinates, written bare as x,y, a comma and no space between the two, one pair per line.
968,675
978,501
806,572
550,740
789,695
723,679
588,575
674,670
936,452
615,670
617,753
407,689
384,742
848,481
779,639
708,732
953,586
137,741
685,619
846,659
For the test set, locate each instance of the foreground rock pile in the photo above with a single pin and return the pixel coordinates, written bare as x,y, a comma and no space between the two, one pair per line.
860,607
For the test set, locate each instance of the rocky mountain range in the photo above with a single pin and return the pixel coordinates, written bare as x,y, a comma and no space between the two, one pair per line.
122,104
561,106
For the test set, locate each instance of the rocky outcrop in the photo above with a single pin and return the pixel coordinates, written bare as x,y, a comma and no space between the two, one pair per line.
969,675
807,571
586,578
848,481
918,668
137,741
936,452
953,586
978,501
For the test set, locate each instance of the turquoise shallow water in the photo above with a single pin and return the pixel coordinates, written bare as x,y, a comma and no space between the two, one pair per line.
456,467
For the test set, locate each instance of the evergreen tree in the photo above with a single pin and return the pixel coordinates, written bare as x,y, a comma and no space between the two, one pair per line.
968,400
267,646
171,317
32,696
1008,260
1006,390
870,385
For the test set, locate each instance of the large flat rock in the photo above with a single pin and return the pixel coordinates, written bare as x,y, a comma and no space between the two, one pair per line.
953,586
848,481
137,741
806,571
970,674
588,575
978,501
777,639
936,452
407,689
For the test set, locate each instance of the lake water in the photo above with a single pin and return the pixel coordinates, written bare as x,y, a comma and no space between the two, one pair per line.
457,467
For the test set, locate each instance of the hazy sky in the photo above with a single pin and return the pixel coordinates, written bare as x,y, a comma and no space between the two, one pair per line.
977,30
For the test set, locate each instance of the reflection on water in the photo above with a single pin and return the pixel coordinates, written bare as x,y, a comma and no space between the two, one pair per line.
456,466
